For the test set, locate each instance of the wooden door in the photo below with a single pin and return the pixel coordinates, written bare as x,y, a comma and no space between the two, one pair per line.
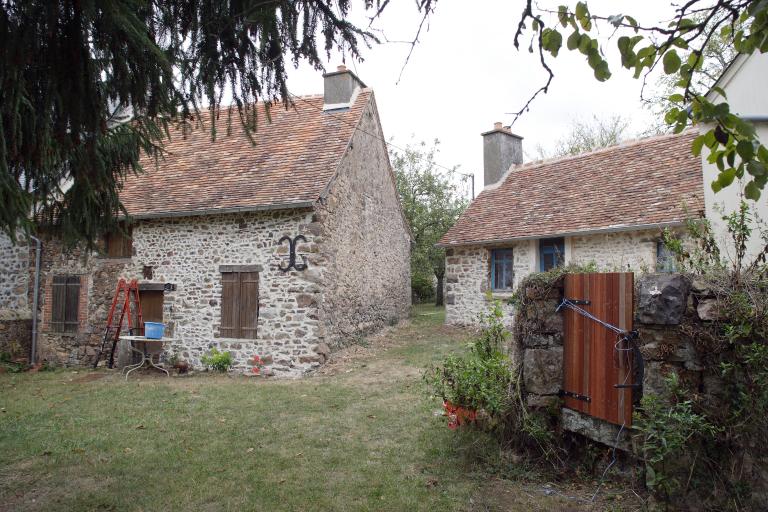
151,306
594,360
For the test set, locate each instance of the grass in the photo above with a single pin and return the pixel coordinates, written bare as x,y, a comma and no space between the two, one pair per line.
362,437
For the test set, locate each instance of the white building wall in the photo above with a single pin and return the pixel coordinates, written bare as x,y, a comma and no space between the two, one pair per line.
746,86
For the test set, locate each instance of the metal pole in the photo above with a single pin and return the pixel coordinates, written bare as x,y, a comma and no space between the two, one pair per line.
35,298
473,186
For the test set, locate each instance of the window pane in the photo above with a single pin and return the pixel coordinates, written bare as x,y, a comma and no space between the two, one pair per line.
551,253
665,260
502,269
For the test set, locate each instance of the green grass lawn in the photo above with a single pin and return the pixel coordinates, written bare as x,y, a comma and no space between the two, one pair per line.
361,436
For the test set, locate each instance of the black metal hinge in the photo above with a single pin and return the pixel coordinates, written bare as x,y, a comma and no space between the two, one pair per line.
571,394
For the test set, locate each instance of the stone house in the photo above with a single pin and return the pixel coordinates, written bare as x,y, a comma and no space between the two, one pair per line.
607,207
284,248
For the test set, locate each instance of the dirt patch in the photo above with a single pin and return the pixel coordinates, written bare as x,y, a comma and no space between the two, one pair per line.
511,496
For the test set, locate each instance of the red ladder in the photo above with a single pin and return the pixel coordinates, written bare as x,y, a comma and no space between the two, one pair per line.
131,297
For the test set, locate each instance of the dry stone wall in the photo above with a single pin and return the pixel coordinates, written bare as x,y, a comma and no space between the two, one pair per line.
364,241
14,258
667,309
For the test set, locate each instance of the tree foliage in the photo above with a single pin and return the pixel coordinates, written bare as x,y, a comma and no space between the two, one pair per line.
677,48
585,136
88,85
432,204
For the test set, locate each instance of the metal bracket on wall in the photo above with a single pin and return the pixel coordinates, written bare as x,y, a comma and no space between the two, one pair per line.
292,243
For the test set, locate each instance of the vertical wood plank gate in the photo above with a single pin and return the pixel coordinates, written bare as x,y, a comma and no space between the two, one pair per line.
592,364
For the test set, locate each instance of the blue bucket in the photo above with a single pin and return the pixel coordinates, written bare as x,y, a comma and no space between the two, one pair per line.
153,330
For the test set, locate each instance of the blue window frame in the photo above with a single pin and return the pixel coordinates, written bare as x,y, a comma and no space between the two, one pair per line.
551,253
665,260
502,269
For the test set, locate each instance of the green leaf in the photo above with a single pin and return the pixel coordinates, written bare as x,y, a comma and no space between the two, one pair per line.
573,40
551,40
745,149
756,168
698,143
676,98
726,177
752,191
562,15
671,62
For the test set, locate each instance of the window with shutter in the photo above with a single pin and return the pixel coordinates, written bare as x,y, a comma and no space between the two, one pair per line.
239,304
65,304
119,243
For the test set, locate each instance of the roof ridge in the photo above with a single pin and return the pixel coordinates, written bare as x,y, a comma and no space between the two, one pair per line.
621,145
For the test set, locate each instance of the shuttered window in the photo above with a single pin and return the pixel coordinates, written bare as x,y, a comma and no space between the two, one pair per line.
119,243
239,304
65,303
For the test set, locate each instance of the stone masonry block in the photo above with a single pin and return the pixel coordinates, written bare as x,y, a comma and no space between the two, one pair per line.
543,370
661,298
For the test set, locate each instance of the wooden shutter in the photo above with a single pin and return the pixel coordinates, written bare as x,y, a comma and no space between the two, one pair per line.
592,365
230,306
58,303
120,244
65,305
249,304
239,304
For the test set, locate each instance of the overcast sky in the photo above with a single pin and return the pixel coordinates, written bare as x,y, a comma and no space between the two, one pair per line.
465,74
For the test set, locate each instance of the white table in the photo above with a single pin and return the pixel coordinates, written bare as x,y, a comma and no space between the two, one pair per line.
146,356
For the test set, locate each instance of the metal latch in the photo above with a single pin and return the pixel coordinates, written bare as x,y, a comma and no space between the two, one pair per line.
571,394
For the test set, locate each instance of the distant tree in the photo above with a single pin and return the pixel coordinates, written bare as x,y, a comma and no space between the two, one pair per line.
587,136
87,86
676,46
432,203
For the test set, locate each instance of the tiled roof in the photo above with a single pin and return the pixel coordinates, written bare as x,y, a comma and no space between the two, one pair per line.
292,161
652,181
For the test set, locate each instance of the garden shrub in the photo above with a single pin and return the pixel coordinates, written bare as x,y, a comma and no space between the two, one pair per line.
480,379
217,361
710,442
422,287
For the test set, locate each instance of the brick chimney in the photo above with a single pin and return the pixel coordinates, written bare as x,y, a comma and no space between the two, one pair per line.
340,88
501,150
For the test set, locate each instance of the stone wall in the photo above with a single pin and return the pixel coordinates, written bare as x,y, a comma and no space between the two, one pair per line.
188,252
624,251
468,271
14,259
364,241
16,338
667,309
468,280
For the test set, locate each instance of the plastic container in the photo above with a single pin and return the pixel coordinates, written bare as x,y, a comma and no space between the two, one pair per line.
154,330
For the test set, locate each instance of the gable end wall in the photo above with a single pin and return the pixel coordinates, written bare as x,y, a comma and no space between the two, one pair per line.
365,240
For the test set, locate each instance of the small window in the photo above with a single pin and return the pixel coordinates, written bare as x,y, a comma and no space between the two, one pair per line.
551,253
65,303
119,243
665,260
239,304
502,269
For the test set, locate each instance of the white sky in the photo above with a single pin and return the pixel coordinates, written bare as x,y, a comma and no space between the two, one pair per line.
465,74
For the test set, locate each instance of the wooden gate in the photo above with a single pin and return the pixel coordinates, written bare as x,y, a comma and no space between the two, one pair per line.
592,364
